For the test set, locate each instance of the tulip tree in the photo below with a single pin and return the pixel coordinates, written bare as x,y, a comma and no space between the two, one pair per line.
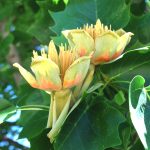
77,71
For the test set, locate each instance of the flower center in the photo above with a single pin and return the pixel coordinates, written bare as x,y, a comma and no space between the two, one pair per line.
66,58
63,60
96,30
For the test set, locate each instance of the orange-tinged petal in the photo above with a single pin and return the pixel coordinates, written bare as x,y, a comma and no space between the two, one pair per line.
80,89
81,40
47,73
27,75
76,73
105,47
123,41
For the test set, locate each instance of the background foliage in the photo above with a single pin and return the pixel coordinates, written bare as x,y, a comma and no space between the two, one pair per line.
102,120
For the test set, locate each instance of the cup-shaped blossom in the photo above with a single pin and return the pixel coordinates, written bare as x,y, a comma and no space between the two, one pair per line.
53,71
58,74
107,44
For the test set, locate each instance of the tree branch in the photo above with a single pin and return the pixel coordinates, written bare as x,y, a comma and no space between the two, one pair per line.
11,142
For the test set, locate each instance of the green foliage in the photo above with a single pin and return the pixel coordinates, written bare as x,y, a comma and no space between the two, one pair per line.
35,112
6,109
119,98
120,69
41,141
92,125
102,120
80,12
91,11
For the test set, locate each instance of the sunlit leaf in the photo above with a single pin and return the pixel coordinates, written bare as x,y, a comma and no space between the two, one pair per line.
139,104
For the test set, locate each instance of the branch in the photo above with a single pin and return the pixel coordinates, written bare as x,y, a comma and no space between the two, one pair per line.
12,58
11,142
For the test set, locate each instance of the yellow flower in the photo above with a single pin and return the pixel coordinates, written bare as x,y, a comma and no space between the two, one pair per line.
106,44
53,72
57,75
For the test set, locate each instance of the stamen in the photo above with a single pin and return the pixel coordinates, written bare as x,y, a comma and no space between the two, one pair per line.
66,58
61,60
35,54
106,28
43,54
65,47
110,27
97,29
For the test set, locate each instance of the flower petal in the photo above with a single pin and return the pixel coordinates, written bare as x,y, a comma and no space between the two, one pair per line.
120,32
47,74
81,40
88,79
52,53
123,41
105,47
27,75
80,89
76,73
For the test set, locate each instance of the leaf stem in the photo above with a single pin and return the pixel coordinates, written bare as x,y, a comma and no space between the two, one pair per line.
148,96
39,106
34,107
117,75
121,81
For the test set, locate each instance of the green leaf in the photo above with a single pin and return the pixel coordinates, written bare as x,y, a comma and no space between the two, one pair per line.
43,20
6,110
125,135
138,7
33,121
79,12
94,87
93,126
137,146
6,9
50,5
139,105
56,1
140,27
40,28
58,40
41,141
22,20
131,63
119,98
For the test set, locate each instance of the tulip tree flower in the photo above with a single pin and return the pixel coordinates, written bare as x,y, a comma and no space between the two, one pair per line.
58,74
107,45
